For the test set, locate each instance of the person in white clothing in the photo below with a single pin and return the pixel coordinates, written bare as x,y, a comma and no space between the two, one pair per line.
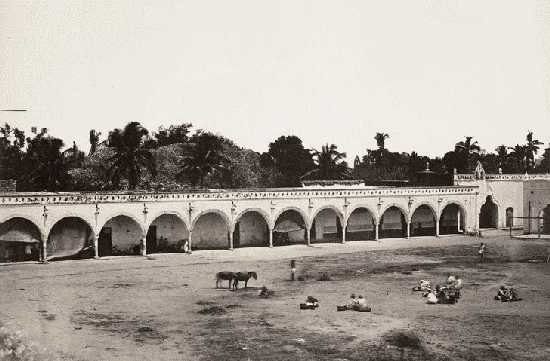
431,299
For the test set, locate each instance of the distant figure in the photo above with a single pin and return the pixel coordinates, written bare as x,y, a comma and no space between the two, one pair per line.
361,302
292,269
482,250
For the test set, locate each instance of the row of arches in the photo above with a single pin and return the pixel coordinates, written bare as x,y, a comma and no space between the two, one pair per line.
73,237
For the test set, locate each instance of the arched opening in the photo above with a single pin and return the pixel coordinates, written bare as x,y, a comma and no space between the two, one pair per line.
210,232
544,220
451,220
289,228
488,215
509,217
423,222
251,230
326,227
121,235
19,241
393,224
360,226
166,234
70,238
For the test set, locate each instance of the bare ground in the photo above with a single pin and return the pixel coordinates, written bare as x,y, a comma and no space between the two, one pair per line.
166,306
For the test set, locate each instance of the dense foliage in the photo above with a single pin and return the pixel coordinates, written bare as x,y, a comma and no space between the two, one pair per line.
177,159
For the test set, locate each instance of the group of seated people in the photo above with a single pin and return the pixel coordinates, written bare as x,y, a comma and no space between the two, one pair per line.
506,295
310,304
450,293
355,304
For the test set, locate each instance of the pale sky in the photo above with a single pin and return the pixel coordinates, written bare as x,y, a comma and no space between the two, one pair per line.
425,72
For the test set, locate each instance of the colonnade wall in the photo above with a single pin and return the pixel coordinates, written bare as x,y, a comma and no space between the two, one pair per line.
213,219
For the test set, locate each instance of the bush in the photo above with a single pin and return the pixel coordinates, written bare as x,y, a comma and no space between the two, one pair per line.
13,347
324,277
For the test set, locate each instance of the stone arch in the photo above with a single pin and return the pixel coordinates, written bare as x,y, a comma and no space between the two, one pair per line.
357,229
427,204
210,230
118,236
216,211
422,223
87,220
126,214
21,239
32,220
291,231
320,230
488,213
167,232
251,228
161,213
452,219
458,204
257,210
372,212
391,224
70,237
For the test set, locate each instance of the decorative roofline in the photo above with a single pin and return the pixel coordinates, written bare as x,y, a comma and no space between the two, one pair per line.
93,198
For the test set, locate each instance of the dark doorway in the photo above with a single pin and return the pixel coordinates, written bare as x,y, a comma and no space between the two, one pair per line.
105,242
151,240
488,214
509,217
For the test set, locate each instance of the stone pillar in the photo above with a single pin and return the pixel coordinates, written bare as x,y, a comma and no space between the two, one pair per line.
408,230
308,237
143,246
190,243
230,241
437,228
44,250
376,231
458,219
96,246
344,234
270,238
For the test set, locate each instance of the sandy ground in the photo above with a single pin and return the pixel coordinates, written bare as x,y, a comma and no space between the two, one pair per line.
137,308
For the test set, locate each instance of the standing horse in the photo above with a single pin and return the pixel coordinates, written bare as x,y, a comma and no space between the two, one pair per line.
243,276
221,276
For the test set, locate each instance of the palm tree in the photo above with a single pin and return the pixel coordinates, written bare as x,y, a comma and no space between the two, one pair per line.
380,143
519,154
130,156
531,148
465,150
202,156
502,155
94,140
330,164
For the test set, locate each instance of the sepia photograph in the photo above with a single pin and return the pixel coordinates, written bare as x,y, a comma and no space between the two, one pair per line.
274,180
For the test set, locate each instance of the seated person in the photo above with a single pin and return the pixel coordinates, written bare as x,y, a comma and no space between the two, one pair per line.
362,305
450,280
312,302
513,295
353,302
431,298
502,294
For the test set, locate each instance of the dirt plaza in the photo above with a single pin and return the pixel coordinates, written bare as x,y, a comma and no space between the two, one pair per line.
166,306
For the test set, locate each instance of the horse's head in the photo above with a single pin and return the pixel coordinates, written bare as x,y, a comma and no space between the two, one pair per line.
253,274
